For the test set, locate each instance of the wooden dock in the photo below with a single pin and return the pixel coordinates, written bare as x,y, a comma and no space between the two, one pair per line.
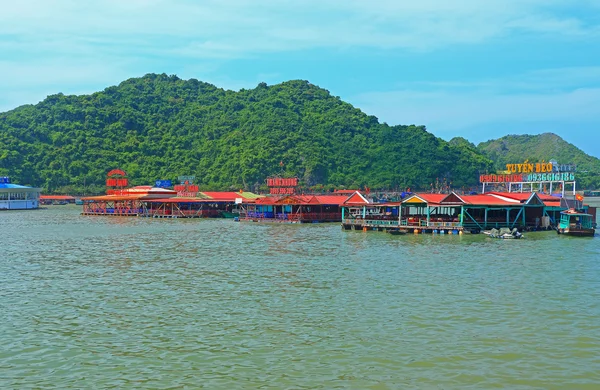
111,214
393,225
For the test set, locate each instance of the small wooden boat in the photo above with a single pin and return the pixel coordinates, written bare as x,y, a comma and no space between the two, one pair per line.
397,232
503,233
576,223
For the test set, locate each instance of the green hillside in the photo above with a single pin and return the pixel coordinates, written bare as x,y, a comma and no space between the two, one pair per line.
514,149
159,127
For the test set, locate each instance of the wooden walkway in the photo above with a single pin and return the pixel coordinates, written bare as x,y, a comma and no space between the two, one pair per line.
394,225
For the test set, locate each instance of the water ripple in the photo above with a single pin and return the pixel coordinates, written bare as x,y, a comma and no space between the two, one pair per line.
134,303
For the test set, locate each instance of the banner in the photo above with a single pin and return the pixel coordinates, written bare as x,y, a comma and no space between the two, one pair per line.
162,183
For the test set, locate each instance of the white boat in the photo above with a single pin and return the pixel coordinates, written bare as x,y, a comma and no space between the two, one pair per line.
503,233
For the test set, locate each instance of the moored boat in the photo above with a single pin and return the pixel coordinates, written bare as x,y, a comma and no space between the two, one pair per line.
503,233
576,223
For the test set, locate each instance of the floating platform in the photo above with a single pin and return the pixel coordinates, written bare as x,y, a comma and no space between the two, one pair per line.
375,225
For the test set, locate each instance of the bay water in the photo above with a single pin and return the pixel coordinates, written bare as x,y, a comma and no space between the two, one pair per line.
105,302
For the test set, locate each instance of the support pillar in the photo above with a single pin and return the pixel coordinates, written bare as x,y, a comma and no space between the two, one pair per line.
485,218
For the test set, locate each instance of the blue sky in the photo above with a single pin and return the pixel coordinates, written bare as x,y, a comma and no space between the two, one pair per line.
479,69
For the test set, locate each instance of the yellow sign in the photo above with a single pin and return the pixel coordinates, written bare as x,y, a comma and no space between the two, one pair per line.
526,167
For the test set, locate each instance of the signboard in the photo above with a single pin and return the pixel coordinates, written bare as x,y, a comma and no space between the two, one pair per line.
282,182
162,183
187,190
281,190
186,179
565,176
500,178
529,168
116,178
532,177
532,172
114,172
239,200
543,167
282,185
5,180
116,182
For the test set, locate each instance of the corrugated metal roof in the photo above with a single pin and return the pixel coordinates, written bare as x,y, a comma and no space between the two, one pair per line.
356,199
524,195
149,190
14,187
431,199
488,200
178,200
108,198
251,195
548,203
331,199
224,196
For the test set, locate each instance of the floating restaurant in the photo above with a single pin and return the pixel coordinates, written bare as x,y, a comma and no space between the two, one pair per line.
454,213
507,205
203,205
301,208
18,197
285,205
153,202
185,201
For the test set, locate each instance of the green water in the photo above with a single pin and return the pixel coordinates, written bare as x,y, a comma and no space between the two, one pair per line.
95,302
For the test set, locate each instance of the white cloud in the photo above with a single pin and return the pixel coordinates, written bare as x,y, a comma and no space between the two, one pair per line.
69,42
240,27
568,95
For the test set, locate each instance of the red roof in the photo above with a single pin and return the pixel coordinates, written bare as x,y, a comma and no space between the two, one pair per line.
488,200
285,199
524,195
357,199
56,197
345,192
548,203
331,199
115,197
179,200
326,200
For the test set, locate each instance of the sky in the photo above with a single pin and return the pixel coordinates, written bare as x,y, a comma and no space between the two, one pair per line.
479,69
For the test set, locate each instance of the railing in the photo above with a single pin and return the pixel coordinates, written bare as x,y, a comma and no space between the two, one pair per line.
293,216
380,222
442,224
404,222
107,211
320,216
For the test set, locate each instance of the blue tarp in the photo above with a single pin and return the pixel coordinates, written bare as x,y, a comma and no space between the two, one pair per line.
15,186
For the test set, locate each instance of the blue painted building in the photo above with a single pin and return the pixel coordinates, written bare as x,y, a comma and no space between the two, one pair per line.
18,197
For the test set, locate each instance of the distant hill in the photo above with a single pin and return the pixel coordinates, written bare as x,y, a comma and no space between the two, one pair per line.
547,146
160,127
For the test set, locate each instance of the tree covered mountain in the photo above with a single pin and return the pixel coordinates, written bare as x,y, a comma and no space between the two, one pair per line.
513,149
160,127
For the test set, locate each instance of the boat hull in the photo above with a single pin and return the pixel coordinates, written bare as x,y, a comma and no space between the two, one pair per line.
577,232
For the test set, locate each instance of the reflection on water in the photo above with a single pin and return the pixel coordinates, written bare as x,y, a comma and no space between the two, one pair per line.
92,302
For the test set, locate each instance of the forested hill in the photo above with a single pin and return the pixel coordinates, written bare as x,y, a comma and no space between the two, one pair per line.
160,127
514,149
